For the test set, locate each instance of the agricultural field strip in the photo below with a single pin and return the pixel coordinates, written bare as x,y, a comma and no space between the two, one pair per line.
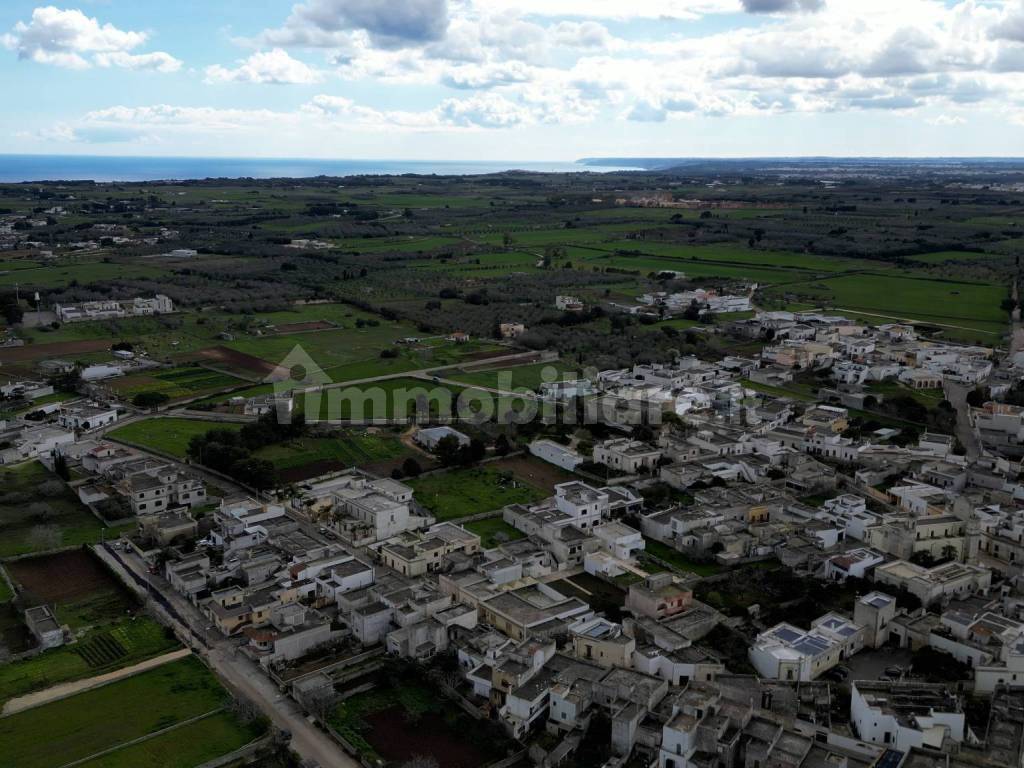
144,738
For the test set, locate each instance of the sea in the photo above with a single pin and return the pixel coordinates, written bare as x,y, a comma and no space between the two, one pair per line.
22,168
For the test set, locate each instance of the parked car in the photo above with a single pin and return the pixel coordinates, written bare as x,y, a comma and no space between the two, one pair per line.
894,671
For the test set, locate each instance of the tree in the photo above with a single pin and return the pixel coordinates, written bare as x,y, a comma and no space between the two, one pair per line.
60,467
447,450
977,397
411,467
476,450
150,399
258,473
501,445
11,309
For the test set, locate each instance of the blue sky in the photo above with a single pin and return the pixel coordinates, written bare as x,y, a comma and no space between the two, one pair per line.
513,79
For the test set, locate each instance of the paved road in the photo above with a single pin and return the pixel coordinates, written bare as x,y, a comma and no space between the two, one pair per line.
307,740
957,396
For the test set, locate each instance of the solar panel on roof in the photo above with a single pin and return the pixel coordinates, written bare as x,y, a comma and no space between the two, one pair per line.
787,634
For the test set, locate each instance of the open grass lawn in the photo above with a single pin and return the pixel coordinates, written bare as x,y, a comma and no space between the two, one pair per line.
349,450
677,559
100,651
170,435
400,398
462,492
89,272
793,390
528,377
973,305
742,255
926,397
329,349
185,747
83,725
493,531
38,512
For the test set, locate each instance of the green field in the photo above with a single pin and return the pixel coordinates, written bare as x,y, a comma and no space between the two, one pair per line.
972,305
528,377
38,512
184,747
60,275
170,435
96,653
462,492
92,722
352,449
176,383
493,531
399,398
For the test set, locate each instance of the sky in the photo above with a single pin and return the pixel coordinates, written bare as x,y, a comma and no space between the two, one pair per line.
528,80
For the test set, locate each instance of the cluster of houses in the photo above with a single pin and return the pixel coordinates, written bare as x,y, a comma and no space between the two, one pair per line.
352,564
111,308
574,609
857,354
52,428
705,299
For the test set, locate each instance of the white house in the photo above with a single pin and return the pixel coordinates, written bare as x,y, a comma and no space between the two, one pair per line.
627,455
785,652
86,418
429,438
619,539
554,453
905,715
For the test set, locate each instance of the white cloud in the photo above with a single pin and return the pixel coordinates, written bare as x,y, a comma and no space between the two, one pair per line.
944,120
65,38
1011,25
586,34
782,6
477,76
159,61
390,23
274,66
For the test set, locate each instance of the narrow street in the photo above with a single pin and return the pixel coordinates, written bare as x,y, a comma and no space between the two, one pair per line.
234,669
957,396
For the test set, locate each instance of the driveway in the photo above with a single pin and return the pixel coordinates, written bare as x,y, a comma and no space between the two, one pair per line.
870,663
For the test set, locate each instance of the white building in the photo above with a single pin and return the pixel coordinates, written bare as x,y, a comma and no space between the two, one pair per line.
854,562
619,539
905,715
110,308
785,652
86,418
429,438
34,442
625,455
554,453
